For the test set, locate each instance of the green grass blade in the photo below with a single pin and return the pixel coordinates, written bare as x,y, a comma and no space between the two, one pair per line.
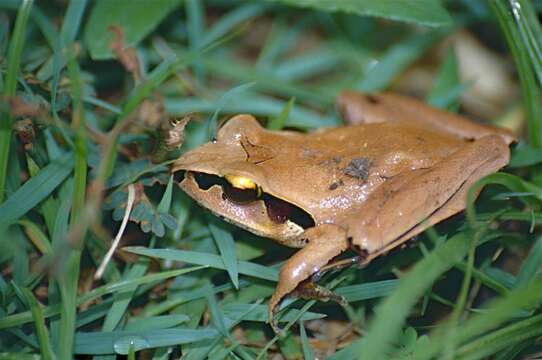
72,21
199,258
252,312
228,21
308,354
265,80
67,282
68,278
529,87
226,246
349,352
445,84
395,61
502,339
309,65
453,321
185,297
530,31
492,281
280,39
122,299
514,183
531,265
119,342
68,33
49,206
16,44
300,117
45,24
35,190
156,322
525,155
217,316
19,356
165,202
503,309
78,123
38,237
367,291
392,312
424,12
278,122
195,27
24,317
289,346
39,322
212,124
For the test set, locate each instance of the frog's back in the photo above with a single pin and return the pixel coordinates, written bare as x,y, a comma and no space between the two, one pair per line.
378,139
339,167
387,148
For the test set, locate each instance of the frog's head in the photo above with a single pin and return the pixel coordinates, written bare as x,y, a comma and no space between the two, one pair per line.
243,181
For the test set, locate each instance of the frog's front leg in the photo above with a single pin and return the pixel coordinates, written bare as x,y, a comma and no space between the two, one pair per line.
324,242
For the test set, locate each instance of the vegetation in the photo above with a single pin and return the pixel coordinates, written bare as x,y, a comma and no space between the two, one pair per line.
87,89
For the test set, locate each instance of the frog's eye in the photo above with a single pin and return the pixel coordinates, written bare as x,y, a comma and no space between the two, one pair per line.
241,189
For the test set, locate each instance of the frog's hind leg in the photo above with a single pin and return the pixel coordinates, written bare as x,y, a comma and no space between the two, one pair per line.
359,108
454,205
406,205
324,242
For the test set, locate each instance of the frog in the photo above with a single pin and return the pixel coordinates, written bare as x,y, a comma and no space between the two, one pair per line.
396,167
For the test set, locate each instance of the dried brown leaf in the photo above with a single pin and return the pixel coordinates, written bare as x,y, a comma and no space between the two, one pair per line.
126,55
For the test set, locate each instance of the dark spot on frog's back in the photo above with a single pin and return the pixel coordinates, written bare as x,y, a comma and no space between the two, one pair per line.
358,168
373,99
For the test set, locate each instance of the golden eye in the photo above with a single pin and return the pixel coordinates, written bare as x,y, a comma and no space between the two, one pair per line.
241,189
243,183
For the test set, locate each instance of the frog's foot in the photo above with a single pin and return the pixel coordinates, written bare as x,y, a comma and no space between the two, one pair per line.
324,243
309,290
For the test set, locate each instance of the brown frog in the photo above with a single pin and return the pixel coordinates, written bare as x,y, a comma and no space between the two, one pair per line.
398,168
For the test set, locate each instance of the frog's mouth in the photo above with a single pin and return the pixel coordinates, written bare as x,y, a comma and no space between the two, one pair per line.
249,207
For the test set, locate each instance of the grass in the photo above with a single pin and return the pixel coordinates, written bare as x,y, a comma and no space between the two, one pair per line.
186,283
10,87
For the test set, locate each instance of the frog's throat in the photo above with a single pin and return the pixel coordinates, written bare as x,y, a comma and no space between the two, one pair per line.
266,216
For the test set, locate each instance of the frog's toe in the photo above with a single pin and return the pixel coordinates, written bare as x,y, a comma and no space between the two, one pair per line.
306,290
310,290
272,317
273,309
